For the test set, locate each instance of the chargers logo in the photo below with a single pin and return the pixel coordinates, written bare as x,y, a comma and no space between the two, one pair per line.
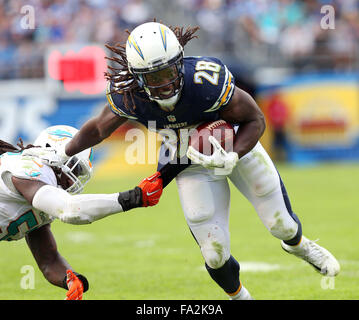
163,32
133,44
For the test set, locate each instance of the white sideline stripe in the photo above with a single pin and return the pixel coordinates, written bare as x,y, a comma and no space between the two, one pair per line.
349,262
251,266
145,243
256,266
80,236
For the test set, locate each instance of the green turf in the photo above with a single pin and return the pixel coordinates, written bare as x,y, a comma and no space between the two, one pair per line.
150,253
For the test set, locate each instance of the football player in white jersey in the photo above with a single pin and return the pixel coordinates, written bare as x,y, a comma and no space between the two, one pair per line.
33,194
154,82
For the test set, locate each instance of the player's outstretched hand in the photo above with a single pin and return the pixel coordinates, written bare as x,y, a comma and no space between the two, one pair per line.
152,188
48,155
75,287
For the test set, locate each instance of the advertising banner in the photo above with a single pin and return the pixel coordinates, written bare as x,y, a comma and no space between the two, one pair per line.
315,117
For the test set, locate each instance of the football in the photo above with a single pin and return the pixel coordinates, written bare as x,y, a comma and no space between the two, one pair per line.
220,129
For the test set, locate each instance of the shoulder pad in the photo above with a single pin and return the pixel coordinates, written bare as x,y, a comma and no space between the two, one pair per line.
226,92
115,102
31,168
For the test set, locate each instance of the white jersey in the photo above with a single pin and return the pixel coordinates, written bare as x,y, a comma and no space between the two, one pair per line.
17,216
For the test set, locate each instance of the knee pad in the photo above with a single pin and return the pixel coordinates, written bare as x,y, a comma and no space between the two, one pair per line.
283,226
215,254
258,171
199,212
214,244
194,216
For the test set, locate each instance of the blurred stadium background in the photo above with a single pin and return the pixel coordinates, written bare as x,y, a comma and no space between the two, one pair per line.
302,69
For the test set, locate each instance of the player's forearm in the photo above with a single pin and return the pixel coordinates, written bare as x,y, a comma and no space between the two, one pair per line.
44,249
248,135
86,208
88,136
55,271
243,110
94,131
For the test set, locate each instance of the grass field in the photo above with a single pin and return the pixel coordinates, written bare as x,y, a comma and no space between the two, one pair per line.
150,253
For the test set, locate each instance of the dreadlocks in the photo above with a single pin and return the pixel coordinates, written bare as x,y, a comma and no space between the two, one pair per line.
7,147
122,80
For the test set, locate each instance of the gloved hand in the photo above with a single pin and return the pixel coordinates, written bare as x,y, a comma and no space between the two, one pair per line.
152,188
221,161
48,155
74,285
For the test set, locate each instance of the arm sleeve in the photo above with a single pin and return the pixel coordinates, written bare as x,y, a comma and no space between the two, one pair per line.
169,171
75,209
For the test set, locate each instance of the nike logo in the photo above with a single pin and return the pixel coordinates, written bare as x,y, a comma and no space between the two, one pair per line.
151,193
151,177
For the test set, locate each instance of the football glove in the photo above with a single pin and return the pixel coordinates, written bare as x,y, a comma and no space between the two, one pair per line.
48,155
152,188
221,161
74,285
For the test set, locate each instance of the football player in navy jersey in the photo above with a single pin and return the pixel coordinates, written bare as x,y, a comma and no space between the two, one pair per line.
154,83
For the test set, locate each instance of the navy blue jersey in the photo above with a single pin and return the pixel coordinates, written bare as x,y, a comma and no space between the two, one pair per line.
208,86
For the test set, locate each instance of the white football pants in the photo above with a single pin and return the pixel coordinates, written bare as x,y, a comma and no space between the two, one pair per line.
205,200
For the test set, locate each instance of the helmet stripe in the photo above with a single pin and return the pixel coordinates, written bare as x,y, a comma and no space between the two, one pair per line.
91,157
164,36
132,43
61,133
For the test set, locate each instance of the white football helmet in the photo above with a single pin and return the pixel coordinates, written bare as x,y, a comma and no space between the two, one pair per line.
152,47
77,168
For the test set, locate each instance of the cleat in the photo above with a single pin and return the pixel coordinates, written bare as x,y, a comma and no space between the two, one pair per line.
318,257
243,294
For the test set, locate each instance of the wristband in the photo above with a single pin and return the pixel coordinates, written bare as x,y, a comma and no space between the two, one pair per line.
130,199
82,278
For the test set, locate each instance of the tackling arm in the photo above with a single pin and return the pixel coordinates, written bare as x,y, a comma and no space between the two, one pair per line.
86,208
77,209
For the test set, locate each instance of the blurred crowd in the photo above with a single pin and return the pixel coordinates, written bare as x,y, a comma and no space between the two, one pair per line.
276,33
281,33
22,50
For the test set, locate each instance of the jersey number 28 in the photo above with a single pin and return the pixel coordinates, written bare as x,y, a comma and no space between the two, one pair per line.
201,68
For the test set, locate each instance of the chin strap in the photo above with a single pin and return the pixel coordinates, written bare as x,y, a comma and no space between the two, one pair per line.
168,104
